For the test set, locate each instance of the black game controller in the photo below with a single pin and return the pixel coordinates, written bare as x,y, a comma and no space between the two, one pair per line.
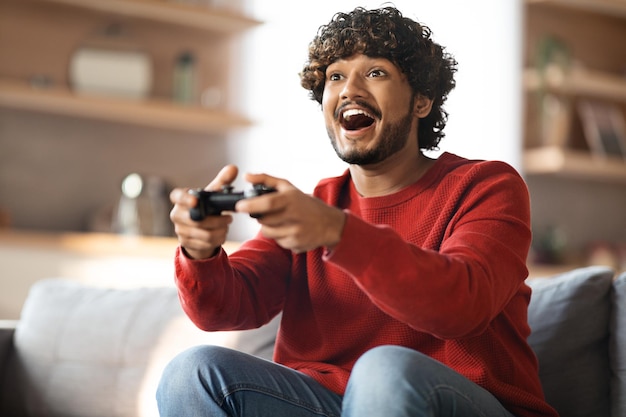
212,203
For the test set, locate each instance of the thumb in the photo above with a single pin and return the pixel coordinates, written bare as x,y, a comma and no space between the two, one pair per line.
268,181
226,176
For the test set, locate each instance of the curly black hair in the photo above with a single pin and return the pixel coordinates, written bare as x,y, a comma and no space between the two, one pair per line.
386,33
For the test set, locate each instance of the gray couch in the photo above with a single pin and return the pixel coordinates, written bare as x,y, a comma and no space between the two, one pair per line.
85,351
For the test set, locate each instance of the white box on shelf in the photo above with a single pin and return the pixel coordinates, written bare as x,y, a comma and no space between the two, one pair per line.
111,73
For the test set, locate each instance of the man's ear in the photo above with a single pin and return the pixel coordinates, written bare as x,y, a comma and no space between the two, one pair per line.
422,106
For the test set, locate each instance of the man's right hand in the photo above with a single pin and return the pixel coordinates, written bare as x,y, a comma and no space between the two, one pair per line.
201,239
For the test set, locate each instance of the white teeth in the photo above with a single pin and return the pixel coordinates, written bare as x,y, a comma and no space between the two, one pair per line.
353,112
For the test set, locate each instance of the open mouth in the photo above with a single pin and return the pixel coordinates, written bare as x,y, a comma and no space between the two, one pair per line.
355,119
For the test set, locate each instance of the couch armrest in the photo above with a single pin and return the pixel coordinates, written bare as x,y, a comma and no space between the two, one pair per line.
7,331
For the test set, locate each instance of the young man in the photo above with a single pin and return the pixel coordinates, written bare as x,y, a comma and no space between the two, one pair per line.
400,282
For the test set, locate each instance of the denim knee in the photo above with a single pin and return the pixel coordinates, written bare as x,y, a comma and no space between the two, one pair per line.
383,383
220,382
399,382
186,374
381,369
186,362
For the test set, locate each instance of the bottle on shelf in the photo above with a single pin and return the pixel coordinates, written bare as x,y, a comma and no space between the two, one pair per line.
185,79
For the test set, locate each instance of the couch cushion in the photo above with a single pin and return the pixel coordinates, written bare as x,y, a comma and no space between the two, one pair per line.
569,315
87,351
617,347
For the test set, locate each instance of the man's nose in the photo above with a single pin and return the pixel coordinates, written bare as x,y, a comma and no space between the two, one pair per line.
354,87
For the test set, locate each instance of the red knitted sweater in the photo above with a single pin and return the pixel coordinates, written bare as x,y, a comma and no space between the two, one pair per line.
438,267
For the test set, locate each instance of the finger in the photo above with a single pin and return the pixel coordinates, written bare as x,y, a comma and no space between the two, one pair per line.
269,181
181,196
199,239
213,233
261,205
286,239
180,213
270,216
226,176
212,223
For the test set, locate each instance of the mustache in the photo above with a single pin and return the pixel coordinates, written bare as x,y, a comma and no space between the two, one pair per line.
370,109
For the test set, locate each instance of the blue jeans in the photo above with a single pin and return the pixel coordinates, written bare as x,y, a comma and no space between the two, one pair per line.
387,381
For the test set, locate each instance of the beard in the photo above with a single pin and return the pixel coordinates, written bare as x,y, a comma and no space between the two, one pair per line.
393,139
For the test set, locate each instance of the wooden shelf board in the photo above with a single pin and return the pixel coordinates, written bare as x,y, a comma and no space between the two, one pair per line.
169,12
608,7
96,244
580,82
573,164
149,113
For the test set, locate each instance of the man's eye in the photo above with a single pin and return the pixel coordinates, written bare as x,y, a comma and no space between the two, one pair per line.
377,73
334,77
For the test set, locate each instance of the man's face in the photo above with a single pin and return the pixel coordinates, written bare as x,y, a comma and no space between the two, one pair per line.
369,110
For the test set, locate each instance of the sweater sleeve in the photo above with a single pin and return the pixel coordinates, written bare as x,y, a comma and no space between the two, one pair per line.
242,291
457,289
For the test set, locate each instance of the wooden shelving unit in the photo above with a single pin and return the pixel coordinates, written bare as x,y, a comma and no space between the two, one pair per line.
608,7
168,12
574,61
593,31
581,83
152,113
96,244
162,28
553,160
81,145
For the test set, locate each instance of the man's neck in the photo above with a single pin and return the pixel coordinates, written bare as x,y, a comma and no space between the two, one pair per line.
389,176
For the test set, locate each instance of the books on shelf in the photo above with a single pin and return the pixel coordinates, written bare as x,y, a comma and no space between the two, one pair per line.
604,128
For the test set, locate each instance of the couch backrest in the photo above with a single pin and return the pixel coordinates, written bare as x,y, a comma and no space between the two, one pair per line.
617,347
88,351
573,321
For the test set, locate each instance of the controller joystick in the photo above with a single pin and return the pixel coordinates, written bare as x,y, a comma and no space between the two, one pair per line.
213,203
